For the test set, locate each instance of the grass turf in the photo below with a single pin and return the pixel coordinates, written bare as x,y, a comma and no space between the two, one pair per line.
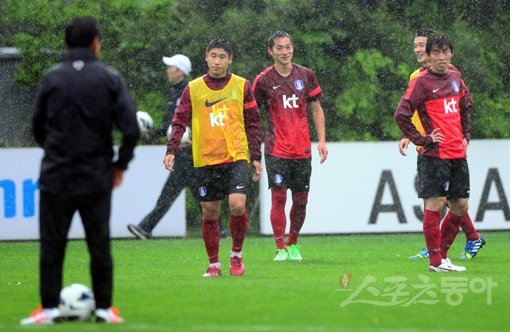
158,286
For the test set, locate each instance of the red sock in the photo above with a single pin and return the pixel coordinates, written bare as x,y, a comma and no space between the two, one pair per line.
238,227
211,236
432,235
449,230
469,228
278,218
297,216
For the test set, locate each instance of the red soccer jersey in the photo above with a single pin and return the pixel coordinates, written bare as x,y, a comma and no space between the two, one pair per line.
286,101
442,101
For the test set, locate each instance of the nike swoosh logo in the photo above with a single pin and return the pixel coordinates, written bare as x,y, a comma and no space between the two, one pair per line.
435,90
239,187
275,87
211,103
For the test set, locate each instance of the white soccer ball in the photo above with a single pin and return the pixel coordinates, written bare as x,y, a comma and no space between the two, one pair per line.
186,137
144,121
76,302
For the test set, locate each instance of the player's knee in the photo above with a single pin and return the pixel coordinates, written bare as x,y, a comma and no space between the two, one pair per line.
435,203
237,211
237,206
210,214
459,207
300,199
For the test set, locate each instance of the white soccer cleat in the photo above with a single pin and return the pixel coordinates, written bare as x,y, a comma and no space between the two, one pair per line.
42,316
109,316
447,266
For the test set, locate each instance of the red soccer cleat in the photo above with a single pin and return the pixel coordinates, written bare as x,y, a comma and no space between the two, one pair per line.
212,271
236,266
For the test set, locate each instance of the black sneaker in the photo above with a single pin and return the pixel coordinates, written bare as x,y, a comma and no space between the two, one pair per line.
139,232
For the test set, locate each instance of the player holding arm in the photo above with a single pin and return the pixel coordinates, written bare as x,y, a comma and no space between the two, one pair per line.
474,241
443,103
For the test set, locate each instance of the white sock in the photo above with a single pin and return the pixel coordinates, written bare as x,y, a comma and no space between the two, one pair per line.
236,254
218,265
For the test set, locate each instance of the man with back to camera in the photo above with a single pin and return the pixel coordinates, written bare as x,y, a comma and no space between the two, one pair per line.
78,105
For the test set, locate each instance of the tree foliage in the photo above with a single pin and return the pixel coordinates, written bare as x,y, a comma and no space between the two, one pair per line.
360,50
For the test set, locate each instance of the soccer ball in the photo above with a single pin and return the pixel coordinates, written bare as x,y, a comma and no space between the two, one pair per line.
144,121
76,302
186,137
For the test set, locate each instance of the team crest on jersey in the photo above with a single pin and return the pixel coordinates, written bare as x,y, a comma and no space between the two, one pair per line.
78,65
299,85
278,179
202,191
455,86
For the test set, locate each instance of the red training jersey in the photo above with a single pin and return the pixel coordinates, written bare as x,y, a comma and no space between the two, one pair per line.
442,101
286,101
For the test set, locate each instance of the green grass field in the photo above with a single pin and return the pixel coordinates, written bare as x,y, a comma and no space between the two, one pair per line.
158,286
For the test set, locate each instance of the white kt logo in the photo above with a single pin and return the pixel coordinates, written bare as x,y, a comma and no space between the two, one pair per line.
449,107
217,119
290,102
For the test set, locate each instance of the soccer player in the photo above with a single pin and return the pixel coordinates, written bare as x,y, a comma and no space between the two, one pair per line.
443,103
474,241
79,104
226,137
286,90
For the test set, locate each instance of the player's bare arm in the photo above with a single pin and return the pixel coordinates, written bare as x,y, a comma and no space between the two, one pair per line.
319,121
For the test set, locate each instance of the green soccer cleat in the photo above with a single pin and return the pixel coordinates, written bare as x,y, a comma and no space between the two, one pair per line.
424,253
281,255
294,254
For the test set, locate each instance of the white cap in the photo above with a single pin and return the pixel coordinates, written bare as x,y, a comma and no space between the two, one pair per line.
180,61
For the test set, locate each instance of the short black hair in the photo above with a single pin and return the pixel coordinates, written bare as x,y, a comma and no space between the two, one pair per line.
220,43
426,32
439,42
276,35
81,32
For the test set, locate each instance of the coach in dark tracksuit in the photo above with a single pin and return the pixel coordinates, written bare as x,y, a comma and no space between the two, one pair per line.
79,104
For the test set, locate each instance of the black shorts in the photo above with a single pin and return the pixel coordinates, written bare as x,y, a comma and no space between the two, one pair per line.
443,177
218,181
293,174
